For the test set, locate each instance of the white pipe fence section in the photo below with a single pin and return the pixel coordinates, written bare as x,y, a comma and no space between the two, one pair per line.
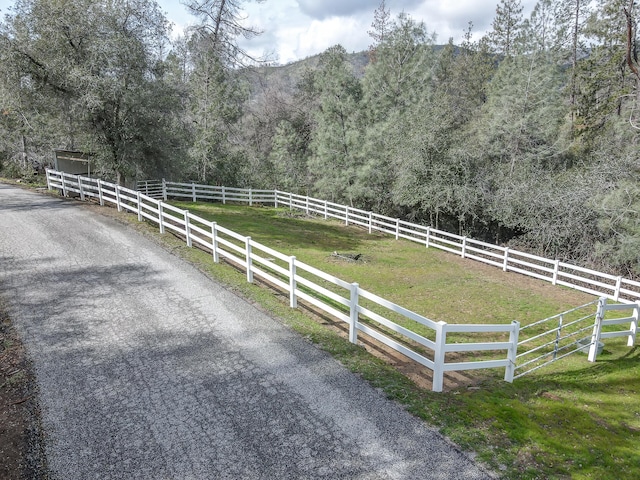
616,288
411,334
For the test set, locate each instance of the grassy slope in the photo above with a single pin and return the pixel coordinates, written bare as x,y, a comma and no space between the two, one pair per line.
569,420
428,281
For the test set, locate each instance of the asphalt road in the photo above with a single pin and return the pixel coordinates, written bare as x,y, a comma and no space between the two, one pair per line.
147,369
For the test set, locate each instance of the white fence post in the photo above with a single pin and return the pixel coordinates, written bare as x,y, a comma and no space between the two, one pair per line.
397,228
118,198
293,299
164,190
346,215
249,262
616,295
307,205
438,356
464,247
160,218
193,192
634,326
48,180
290,201
428,236
275,198
512,352
597,329
214,242
187,228
139,195
370,222
224,197
556,269
80,188
64,185
326,211
505,264
250,198
353,313
100,197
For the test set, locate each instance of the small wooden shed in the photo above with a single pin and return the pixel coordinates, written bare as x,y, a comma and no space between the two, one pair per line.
69,161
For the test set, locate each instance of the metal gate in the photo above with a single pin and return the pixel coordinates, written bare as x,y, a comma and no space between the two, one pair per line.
553,338
151,188
577,330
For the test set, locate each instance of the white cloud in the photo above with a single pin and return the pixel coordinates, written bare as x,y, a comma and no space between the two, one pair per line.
320,35
322,9
294,29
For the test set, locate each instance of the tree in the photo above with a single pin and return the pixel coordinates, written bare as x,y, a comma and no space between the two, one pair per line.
605,80
336,140
571,17
216,91
395,82
506,27
381,26
222,23
619,224
460,83
216,97
289,158
100,63
632,62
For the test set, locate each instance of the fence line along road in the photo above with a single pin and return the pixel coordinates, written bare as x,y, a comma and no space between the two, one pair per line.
417,337
616,288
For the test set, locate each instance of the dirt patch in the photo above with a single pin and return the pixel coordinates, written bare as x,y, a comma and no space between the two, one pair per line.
20,433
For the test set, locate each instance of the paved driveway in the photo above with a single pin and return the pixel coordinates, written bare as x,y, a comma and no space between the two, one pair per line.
149,370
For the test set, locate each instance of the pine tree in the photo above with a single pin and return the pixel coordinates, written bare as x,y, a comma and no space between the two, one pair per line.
381,26
506,27
215,91
215,107
337,138
396,80
604,80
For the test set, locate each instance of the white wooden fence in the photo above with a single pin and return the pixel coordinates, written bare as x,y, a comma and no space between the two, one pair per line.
616,288
419,338
609,328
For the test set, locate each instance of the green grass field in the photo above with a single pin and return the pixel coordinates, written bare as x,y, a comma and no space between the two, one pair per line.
572,419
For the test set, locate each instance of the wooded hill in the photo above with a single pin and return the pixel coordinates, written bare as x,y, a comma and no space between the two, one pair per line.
519,137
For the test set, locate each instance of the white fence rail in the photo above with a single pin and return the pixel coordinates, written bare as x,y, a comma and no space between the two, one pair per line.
411,334
616,288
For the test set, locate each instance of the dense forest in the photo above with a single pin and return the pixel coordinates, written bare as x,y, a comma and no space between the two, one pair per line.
527,136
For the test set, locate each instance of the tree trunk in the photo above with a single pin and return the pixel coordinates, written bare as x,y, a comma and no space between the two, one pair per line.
24,152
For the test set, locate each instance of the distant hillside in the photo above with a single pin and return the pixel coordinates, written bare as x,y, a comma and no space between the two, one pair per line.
288,76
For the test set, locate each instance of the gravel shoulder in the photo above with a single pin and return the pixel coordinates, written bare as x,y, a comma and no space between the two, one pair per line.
20,433
146,368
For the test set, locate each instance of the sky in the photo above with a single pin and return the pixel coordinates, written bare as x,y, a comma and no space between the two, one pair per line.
296,29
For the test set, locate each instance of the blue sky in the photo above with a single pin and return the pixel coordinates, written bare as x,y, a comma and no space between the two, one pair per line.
295,29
